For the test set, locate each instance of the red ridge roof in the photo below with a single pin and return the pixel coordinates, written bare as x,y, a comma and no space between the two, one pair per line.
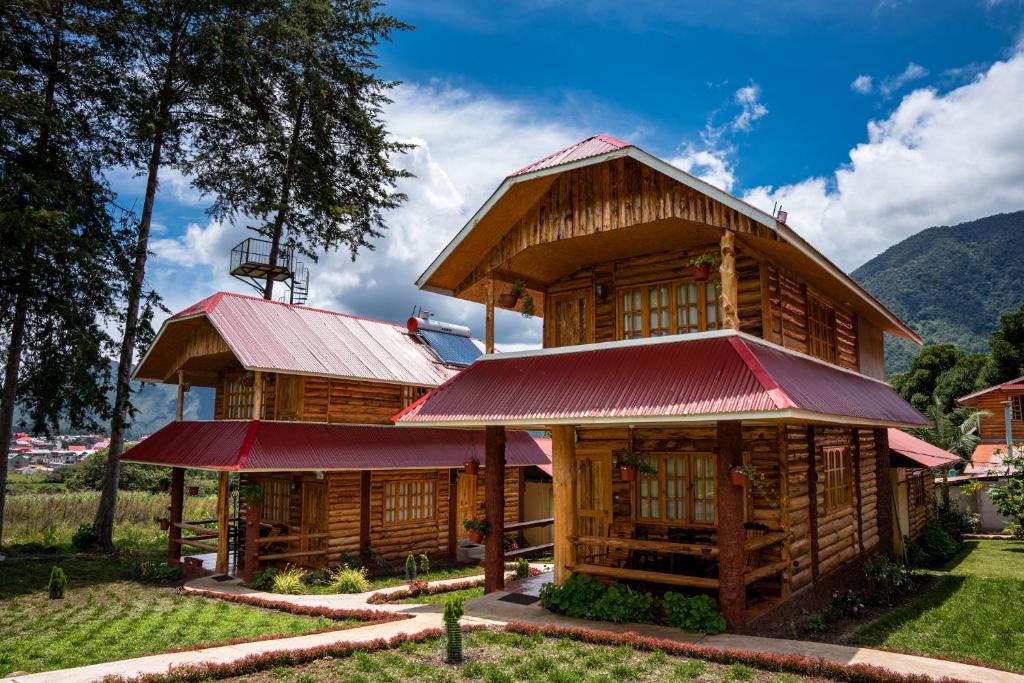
703,377
590,147
919,452
267,445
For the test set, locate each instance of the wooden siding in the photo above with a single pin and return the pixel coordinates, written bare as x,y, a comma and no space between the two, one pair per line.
992,427
920,491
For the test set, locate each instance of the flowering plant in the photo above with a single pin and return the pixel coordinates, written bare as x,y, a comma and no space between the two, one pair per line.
848,603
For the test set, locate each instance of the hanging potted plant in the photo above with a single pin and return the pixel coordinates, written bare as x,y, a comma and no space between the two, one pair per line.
472,466
511,299
632,463
477,529
164,484
741,475
193,490
165,523
701,265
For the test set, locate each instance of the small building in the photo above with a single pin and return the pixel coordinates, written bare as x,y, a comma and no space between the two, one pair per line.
1000,426
914,466
303,405
713,385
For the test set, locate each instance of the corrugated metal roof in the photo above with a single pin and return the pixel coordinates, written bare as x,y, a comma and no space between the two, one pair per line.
683,378
1013,385
590,147
279,337
266,445
918,451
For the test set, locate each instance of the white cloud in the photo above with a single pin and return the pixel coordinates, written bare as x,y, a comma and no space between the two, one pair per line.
937,159
862,84
751,108
710,165
891,84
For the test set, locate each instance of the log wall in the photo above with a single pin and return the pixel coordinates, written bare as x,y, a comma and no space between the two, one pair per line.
992,426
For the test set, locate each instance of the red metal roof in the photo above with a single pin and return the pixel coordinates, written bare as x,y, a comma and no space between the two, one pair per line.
591,147
279,337
709,376
919,452
1014,385
265,445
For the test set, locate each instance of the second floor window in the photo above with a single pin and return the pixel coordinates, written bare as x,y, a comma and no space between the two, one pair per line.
821,330
678,307
239,398
1017,407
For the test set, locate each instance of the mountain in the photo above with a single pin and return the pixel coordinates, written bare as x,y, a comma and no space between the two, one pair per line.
951,283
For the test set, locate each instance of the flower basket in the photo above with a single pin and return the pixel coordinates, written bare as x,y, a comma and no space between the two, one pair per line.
738,477
627,472
701,272
165,524
472,466
193,491
476,530
508,300
475,536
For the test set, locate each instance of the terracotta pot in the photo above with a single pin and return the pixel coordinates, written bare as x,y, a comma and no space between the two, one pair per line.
627,472
472,466
475,536
164,485
738,477
165,524
701,272
508,300
193,490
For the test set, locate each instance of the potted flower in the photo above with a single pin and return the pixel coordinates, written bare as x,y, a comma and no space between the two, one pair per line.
701,265
193,491
741,475
472,466
511,299
477,529
632,463
165,523
508,299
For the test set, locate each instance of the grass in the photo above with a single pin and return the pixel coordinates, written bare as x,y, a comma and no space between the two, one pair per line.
106,616
376,583
499,657
441,598
974,614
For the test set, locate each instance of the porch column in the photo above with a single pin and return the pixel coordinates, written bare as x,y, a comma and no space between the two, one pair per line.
494,509
563,494
252,536
175,510
884,492
180,408
730,288
489,318
732,589
223,503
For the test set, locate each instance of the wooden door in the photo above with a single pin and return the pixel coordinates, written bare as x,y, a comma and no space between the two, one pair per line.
593,499
314,521
568,319
465,490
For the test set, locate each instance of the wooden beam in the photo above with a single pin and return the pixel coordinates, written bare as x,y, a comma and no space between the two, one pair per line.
223,503
180,408
257,395
175,513
489,318
532,524
812,498
494,509
883,491
667,547
563,492
729,499
730,284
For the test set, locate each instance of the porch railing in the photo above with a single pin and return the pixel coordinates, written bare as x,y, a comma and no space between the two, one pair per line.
522,526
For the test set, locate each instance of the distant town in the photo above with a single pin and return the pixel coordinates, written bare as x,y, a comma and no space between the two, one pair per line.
41,454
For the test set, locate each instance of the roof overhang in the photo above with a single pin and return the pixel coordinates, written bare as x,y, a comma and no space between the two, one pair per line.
890,321
1013,387
909,451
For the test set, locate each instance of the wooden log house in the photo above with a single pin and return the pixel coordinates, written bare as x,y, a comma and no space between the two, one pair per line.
754,392
302,413
1001,425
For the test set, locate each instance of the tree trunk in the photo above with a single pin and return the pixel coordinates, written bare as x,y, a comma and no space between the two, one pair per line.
286,191
11,371
103,524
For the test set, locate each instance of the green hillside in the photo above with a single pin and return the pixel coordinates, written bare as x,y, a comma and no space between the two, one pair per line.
951,283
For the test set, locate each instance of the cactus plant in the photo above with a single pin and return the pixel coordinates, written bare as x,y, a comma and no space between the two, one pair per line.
453,611
58,580
425,566
410,567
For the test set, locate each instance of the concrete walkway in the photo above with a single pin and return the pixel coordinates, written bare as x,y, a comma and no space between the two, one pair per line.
491,610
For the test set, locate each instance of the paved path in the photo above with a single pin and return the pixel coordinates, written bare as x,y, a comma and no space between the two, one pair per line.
492,611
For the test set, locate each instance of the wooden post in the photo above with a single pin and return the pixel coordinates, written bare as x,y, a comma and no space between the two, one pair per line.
489,319
563,499
364,509
730,286
494,509
883,491
180,409
453,515
257,395
812,499
175,510
222,523
857,490
252,535
729,499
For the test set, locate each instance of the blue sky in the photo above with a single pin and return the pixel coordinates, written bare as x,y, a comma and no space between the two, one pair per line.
868,121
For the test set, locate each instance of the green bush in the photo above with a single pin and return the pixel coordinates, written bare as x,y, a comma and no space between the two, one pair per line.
955,520
85,538
425,565
623,604
263,579
577,597
58,582
317,577
453,611
290,582
49,534
522,568
936,544
1015,529
696,614
887,580
350,580
153,571
410,567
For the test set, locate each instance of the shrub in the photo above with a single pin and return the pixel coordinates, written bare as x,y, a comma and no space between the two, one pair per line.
954,520
58,581
577,597
696,614
350,580
410,567
623,604
887,580
1015,529
289,581
936,543
522,568
424,565
85,538
453,611
50,534
153,571
317,577
848,603
263,579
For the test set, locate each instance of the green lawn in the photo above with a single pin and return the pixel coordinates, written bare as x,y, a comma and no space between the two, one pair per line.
499,657
106,615
441,598
378,582
975,613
